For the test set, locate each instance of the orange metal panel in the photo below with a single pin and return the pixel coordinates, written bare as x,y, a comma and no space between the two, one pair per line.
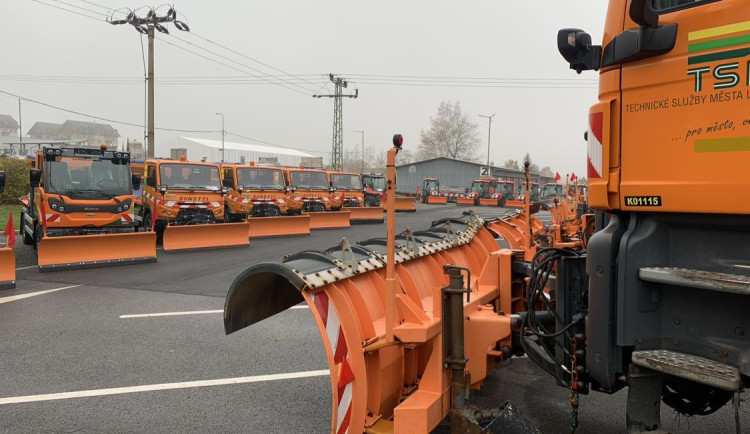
7,268
260,227
329,219
365,214
192,237
83,251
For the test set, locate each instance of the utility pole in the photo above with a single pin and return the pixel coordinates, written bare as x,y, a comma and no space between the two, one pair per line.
20,124
363,150
222,135
337,153
489,137
146,26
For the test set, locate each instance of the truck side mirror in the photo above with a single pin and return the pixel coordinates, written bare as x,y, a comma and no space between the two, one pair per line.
2,182
35,177
575,47
136,180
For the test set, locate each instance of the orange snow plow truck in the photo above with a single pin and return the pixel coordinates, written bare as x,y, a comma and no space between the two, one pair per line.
347,187
80,210
184,203
313,189
260,192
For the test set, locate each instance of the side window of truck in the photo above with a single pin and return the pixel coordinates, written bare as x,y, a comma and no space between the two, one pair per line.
669,5
150,174
228,176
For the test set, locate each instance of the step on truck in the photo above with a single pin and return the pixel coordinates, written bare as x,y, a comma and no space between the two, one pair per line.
261,194
347,187
183,202
80,209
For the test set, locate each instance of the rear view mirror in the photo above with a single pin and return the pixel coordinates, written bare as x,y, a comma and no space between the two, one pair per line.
575,47
2,182
35,177
136,180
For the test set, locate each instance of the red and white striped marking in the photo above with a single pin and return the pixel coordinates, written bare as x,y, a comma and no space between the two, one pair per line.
126,218
594,147
52,218
340,352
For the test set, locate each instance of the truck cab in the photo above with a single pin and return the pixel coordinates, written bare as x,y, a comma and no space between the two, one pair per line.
374,188
348,189
256,191
535,192
552,189
311,188
430,187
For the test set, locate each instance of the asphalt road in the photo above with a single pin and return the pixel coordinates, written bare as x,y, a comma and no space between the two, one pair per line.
74,340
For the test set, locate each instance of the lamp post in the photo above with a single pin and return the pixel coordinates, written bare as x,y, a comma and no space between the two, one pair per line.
489,136
363,150
222,135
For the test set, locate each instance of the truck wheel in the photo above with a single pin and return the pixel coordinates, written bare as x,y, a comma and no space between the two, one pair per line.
146,221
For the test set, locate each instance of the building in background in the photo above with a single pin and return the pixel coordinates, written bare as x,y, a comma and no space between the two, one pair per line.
44,131
135,148
8,126
89,133
456,174
210,150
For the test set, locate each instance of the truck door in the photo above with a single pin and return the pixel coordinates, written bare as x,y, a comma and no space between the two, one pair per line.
685,125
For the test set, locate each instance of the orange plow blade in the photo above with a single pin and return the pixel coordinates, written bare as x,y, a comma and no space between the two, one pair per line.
489,202
405,204
191,237
465,201
437,200
366,215
279,226
7,268
329,220
87,251
514,204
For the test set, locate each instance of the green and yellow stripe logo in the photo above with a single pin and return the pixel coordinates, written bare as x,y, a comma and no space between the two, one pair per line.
699,43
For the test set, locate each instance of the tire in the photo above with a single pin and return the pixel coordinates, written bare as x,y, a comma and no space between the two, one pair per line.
146,221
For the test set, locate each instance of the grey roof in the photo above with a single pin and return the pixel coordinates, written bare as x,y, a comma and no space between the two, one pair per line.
474,163
88,128
7,121
44,129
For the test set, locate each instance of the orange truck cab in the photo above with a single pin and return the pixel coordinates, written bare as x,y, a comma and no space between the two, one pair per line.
347,188
311,188
180,193
668,278
256,191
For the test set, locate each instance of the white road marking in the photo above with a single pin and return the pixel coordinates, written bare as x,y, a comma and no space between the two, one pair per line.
26,268
163,386
192,312
33,294
300,306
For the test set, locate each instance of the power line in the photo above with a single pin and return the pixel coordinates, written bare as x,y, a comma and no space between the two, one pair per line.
79,7
68,10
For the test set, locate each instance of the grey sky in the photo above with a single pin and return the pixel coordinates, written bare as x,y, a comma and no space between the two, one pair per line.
467,38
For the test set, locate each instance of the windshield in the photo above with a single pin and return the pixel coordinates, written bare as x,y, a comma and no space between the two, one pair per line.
432,185
552,190
189,176
270,179
507,189
88,178
316,180
376,183
346,182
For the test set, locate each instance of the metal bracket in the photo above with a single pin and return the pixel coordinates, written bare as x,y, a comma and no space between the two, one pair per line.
452,235
347,255
411,241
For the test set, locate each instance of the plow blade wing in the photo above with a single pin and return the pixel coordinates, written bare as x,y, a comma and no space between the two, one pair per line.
7,268
191,237
402,386
514,204
464,201
279,226
87,251
366,215
406,204
329,220
489,202
437,200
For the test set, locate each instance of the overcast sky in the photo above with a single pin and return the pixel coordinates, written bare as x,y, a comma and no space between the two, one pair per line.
421,38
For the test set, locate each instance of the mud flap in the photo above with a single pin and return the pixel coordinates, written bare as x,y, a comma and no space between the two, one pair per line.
437,200
191,237
359,215
261,227
88,251
7,268
329,220
405,204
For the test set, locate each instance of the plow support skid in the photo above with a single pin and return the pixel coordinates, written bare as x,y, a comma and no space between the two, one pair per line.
87,251
405,204
209,236
329,219
514,204
489,202
437,200
400,386
279,226
7,268
465,201
365,214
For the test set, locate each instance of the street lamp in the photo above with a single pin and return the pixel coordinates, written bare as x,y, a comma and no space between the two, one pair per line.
489,136
363,149
222,135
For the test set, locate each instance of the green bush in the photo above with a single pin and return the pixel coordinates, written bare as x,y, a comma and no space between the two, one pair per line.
16,180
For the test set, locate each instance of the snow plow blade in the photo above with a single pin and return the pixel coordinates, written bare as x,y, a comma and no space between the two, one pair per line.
405,204
191,237
437,200
329,220
345,289
360,215
7,268
89,251
489,202
514,204
280,226
464,201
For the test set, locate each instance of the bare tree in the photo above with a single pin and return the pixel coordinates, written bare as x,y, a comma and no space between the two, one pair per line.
451,134
512,164
546,171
